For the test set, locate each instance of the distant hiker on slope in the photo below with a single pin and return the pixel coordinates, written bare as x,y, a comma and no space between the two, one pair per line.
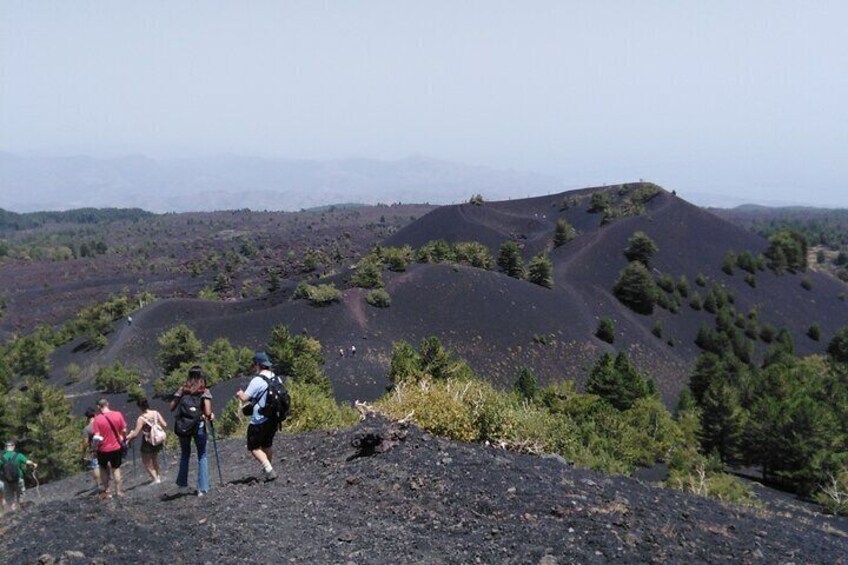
151,426
261,431
13,466
90,446
193,406
110,429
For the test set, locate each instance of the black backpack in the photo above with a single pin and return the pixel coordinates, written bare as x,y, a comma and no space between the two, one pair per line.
189,412
277,400
11,471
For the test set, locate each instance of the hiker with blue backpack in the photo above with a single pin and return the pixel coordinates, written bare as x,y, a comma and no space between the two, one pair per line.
13,466
266,401
192,405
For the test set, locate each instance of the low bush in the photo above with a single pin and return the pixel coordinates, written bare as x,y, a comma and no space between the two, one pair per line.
320,295
313,409
116,378
378,298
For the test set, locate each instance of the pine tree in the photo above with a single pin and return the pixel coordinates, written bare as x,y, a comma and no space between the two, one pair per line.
510,261
635,288
179,346
640,248
722,422
540,271
526,385
563,233
617,381
45,429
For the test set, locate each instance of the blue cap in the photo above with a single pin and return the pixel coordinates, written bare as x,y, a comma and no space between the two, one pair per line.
262,358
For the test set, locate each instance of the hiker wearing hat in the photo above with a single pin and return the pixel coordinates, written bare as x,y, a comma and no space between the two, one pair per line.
13,466
110,429
261,431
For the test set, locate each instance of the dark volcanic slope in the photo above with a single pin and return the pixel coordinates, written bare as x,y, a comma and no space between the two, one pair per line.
501,324
426,500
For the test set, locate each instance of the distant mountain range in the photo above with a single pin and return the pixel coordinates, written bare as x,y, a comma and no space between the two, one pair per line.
228,182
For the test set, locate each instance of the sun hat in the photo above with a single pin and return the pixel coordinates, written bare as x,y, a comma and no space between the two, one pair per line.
262,359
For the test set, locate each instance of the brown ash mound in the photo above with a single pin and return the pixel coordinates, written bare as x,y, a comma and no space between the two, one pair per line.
383,492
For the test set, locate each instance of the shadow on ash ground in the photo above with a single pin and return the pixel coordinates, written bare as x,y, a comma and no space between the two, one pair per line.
404,496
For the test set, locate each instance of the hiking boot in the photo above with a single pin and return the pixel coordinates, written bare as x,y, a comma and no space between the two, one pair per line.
270,475
200,493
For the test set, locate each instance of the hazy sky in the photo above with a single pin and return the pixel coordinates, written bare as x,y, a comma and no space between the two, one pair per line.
737,98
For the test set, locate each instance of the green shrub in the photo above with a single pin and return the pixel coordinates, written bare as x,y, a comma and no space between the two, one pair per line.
320,295
526,385
617,381
445,408
563,233
379,298
657,330
695,302
635,288
806,283
179,346
768,333
540,271
606,330
116,378
473,253
73,371
729,262
640,248
438,251
230,422
510,261
701,280
683,286
666,282
369,273
313,408
814,332
695,477
396,258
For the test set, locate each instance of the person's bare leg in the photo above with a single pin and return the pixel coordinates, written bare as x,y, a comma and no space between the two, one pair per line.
147,461
118,484
261,456
105,474
154,464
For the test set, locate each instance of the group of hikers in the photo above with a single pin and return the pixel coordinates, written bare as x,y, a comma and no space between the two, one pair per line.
107,441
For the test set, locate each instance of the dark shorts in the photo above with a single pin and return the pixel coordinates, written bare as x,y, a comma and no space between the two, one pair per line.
112,458
150,448
261,436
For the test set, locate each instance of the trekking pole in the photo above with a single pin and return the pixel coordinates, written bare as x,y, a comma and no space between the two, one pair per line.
37,486
217,459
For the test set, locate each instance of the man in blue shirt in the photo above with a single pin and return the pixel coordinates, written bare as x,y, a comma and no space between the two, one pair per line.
261,431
